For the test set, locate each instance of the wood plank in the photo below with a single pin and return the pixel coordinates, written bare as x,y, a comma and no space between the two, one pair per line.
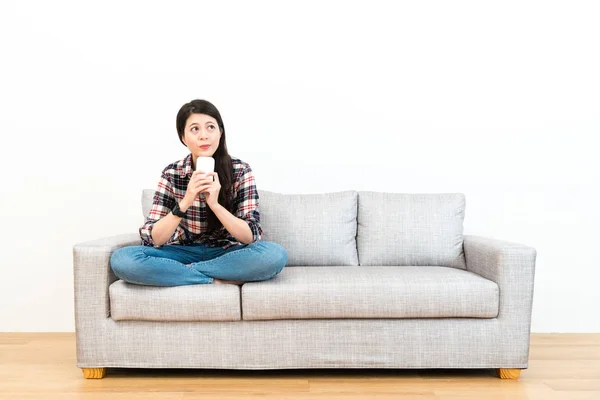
563,368
574,384
557,339
95,396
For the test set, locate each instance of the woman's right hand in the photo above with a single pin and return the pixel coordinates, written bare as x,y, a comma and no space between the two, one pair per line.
198,182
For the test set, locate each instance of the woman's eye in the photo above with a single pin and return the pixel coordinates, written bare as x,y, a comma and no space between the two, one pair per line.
194,129
211,126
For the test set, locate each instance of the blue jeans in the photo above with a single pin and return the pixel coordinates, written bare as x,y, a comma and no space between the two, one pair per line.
167,265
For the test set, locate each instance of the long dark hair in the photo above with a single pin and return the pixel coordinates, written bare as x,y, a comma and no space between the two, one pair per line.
223,163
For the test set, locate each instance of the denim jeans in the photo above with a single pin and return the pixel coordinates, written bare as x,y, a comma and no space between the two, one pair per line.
167,265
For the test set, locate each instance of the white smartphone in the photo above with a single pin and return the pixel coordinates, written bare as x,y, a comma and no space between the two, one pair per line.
205,164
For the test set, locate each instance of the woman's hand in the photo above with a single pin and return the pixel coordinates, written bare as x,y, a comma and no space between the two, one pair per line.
194,187
201,182
210,188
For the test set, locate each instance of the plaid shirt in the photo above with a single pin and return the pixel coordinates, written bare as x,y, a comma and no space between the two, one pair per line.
194,228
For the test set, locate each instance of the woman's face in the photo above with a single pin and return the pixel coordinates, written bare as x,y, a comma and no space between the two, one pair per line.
201,135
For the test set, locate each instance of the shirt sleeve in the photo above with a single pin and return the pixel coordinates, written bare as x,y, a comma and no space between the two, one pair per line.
247,201
162,204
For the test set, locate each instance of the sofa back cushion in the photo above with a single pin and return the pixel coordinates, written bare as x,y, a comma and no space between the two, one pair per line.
147,199
411,229
315,229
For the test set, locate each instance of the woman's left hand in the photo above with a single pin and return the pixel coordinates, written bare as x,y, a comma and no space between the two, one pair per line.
212,189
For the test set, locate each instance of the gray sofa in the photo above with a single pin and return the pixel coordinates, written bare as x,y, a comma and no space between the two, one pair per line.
373,280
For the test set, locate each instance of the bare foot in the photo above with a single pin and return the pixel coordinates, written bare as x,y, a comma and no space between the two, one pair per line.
222,281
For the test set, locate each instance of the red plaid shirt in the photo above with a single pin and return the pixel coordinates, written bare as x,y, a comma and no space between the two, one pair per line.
194,228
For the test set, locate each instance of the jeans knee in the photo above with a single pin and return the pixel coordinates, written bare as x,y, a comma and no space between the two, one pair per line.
122,261
283,257
278,257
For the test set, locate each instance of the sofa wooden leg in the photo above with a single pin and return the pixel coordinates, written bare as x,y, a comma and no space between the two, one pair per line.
508,373
93,373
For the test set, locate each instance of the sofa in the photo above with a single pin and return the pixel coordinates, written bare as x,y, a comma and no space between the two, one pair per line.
373,280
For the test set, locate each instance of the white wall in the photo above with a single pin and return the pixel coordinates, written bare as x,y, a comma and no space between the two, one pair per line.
498,101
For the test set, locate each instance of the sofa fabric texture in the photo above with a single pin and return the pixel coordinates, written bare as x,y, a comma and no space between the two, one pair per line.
411,229
374,280
177,303
371,292
315,229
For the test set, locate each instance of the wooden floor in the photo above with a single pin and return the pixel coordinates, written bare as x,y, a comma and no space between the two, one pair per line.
43,366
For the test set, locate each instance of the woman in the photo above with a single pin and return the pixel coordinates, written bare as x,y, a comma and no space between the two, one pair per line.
203,227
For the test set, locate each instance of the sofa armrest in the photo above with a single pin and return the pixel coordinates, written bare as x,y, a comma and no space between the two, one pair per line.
512,266
93,275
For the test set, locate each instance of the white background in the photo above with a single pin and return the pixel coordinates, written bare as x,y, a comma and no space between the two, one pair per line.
500,101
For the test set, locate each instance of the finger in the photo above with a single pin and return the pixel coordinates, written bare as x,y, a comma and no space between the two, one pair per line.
199,175
203,187
199,186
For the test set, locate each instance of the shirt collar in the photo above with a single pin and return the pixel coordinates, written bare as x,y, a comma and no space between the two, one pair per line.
186,166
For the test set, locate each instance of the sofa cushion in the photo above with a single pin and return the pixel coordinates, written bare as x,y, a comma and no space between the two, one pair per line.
411,229
315,229
174,303
370,292
147,199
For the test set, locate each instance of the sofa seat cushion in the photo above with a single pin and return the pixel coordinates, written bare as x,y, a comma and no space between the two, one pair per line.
370,292
176,303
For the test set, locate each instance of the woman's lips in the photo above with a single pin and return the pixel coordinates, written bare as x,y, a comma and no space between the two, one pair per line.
205,147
